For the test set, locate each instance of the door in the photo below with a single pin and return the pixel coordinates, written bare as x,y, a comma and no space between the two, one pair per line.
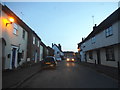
98,57
36,56
3,53
13,57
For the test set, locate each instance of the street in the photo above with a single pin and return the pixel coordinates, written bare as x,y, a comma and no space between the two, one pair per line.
69,75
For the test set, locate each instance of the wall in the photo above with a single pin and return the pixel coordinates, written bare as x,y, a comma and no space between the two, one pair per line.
12,39
109,63
102,41
103,57
41,52
94,57
55,52
0,50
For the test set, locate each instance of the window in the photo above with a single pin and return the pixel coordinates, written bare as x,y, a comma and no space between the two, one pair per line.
90,55
38,43
110,54
23,35
83,45
93,40
15,30
109,31
33,40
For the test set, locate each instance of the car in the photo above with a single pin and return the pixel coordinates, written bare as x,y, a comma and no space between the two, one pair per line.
70,59
49,61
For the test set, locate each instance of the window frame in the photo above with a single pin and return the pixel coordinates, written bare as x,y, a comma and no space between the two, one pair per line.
38,44
110,51
109,31
33,39
15,29
90,55
93,40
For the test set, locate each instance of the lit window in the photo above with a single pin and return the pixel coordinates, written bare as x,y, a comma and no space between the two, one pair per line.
33,40
109,31
15,30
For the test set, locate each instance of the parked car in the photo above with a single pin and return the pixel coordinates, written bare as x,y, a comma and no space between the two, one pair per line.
49,61
70,59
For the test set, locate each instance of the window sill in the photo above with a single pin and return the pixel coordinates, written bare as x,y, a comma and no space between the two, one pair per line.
110,59
15,34
109,36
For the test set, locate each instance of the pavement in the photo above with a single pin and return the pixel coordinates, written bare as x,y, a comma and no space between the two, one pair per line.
109,71
13,78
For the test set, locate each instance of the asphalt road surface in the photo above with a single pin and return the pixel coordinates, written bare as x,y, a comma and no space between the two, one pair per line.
69,75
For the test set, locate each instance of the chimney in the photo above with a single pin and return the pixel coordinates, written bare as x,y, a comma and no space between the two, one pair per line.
82,38
52,44
95,27
59,46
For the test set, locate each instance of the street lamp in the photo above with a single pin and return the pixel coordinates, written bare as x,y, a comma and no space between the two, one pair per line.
11,21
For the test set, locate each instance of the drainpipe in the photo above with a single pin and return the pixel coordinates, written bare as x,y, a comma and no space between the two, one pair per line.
95,62
118,65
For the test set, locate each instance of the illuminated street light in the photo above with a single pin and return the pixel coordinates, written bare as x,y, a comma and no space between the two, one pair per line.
11,21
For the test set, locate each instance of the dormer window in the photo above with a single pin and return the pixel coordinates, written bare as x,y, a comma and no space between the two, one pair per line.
93,40
109,31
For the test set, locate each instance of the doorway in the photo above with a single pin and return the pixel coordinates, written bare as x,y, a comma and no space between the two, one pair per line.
36,56
98,57
14,58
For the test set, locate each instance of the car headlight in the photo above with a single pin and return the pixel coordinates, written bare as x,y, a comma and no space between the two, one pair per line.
68,59
73,59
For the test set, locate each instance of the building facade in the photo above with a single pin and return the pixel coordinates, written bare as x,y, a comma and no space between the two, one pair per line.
45,52
69,54
50,51
33,47
57,51
14,40
41,52
102,45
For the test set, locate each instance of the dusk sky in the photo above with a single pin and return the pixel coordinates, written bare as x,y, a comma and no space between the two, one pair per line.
62,23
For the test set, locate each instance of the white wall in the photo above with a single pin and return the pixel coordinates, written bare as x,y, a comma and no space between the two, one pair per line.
57,50
12,39
103,57
94,57
109,63
102,41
